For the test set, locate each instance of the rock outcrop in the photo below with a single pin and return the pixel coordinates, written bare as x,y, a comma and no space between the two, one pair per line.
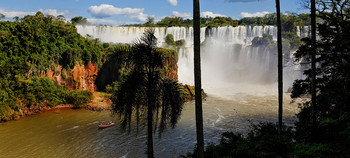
81,77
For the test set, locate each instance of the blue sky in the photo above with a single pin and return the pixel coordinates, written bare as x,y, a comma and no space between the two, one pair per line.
117,12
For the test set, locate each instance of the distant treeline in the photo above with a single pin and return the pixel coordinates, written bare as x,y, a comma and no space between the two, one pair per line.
289,20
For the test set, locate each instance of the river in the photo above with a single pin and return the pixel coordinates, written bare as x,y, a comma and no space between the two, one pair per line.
74,133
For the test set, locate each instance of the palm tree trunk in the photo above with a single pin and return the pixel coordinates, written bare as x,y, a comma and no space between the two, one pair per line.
149,133
313,64
280,68
197,79
150,103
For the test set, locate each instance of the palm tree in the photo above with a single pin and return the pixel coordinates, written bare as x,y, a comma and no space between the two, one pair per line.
144,89
313,63
197,79
280,68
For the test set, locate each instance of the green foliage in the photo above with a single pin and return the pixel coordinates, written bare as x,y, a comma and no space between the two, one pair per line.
170,21
293,40
79,20
169,39
37,92
188,92
333,79
178,21
331,136
266,40
42,91
2,16
180,43
116,66
170,42
78,98
289,21
290,41
32,45
5,111
150,22
262,141
144,89
218,21
36,42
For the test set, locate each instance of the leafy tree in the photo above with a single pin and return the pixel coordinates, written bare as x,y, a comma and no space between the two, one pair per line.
265,40
60,17
150,22
143,90
32,45
79,20
170,21
332,82
2,16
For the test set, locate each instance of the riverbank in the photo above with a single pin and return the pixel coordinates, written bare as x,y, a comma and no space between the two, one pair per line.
101,102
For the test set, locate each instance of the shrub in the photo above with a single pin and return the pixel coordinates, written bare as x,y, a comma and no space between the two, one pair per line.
78,98
169,39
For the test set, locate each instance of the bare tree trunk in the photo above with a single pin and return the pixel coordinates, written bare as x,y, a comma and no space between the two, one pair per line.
197,78
280,68
313,64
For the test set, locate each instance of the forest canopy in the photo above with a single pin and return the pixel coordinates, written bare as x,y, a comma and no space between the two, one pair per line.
32,45
289,20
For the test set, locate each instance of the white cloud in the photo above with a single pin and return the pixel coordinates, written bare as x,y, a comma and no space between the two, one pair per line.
103,21
14,13
173,2
211,14
53,12
178,14
106,10
257,14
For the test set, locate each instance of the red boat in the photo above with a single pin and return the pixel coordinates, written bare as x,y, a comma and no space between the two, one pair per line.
107,124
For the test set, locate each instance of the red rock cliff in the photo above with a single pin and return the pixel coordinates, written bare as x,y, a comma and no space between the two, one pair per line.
81,77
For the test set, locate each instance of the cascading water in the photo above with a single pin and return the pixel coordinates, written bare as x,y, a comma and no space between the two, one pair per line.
228,59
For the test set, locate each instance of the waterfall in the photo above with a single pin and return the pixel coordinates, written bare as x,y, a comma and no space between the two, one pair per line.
228,59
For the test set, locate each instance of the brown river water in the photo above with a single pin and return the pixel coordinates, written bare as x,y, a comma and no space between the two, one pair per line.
74,133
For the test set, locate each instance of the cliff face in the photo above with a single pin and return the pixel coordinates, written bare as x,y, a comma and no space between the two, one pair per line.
170,67
81,77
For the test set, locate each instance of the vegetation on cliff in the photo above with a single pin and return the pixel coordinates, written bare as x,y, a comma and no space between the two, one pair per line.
31,46
170,42
118,62
290,41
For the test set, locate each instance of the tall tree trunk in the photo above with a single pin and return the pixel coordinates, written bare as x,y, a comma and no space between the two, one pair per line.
197,78
150,117
280,68
149,133
313,64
